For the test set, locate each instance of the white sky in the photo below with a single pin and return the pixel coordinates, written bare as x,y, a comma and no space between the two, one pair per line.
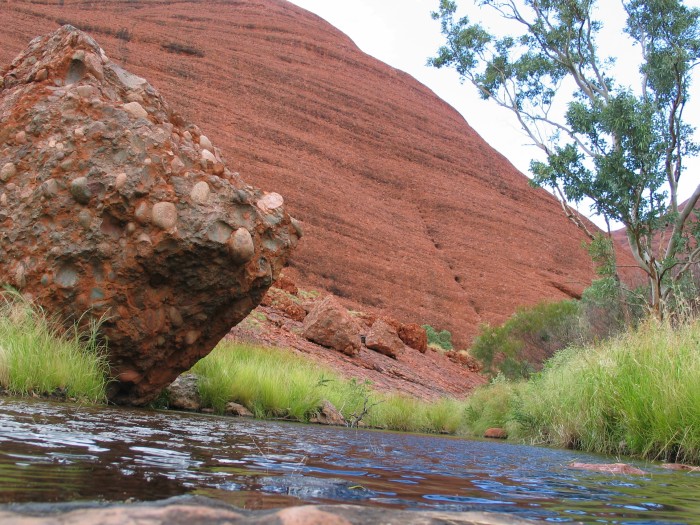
402,34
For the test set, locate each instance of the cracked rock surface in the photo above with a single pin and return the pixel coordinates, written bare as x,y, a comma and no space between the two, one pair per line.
112,204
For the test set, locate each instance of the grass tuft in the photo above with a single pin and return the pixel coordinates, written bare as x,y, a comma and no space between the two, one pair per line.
37,356
634,394
276,383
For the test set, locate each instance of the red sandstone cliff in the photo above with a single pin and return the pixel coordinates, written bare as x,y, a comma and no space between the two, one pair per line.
405,208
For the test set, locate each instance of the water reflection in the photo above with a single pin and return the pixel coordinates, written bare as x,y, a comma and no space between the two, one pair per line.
57,452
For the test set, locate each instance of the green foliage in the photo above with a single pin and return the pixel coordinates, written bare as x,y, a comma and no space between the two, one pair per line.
493,406
635,394
602,252
38,356
268,383
441,339
517,347
275,383
621,146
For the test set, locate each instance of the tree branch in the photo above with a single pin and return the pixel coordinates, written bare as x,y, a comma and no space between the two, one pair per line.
572,215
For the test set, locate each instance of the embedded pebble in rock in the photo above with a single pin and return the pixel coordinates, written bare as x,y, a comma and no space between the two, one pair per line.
143,213
135,110
191,337
241,246
270,202
119,180
85,219
200,192
219,232
208,156
164,215
80,190
297,227
41,75
169,260
205,143
177,165
7,172
85,91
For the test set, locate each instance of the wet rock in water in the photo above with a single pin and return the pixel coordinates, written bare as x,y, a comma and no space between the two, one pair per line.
329,324
611,468
187,510
183,393
110,205
496,433
235,409
414,336
382,338
328,415
680,466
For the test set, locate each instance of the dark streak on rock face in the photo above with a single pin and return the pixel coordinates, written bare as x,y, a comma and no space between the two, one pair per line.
108,202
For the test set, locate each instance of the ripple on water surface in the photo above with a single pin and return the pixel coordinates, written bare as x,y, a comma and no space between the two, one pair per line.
58,452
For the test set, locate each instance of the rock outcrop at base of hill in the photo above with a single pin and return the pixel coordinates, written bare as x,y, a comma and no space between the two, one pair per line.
329,324
112,205
383,338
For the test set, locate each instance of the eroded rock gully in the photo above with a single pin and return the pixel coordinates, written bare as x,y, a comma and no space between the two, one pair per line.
113,206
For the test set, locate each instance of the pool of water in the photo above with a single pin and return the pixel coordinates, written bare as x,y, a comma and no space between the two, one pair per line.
55,452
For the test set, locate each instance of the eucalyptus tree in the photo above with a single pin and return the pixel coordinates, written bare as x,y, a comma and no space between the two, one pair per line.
620,144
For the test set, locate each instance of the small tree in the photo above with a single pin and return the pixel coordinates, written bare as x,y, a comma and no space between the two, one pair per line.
620,146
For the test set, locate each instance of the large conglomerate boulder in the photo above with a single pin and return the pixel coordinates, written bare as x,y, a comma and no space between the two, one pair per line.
111,204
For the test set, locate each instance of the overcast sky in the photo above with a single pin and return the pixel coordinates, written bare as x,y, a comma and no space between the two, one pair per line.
402,34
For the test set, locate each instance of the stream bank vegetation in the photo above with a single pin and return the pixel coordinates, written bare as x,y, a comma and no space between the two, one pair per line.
275,383
610,376
37,355
634,394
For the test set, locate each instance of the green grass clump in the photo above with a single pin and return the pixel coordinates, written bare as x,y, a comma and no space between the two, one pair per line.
493,406
440,340
275,383
397,412
37,356
517,347
634,394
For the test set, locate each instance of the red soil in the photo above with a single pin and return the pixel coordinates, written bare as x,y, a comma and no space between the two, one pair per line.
406,209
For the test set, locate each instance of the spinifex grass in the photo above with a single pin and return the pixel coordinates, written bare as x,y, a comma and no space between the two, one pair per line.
276,383
636,394
268,382
37,356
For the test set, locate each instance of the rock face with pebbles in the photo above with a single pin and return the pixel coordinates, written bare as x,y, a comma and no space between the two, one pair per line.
111,204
